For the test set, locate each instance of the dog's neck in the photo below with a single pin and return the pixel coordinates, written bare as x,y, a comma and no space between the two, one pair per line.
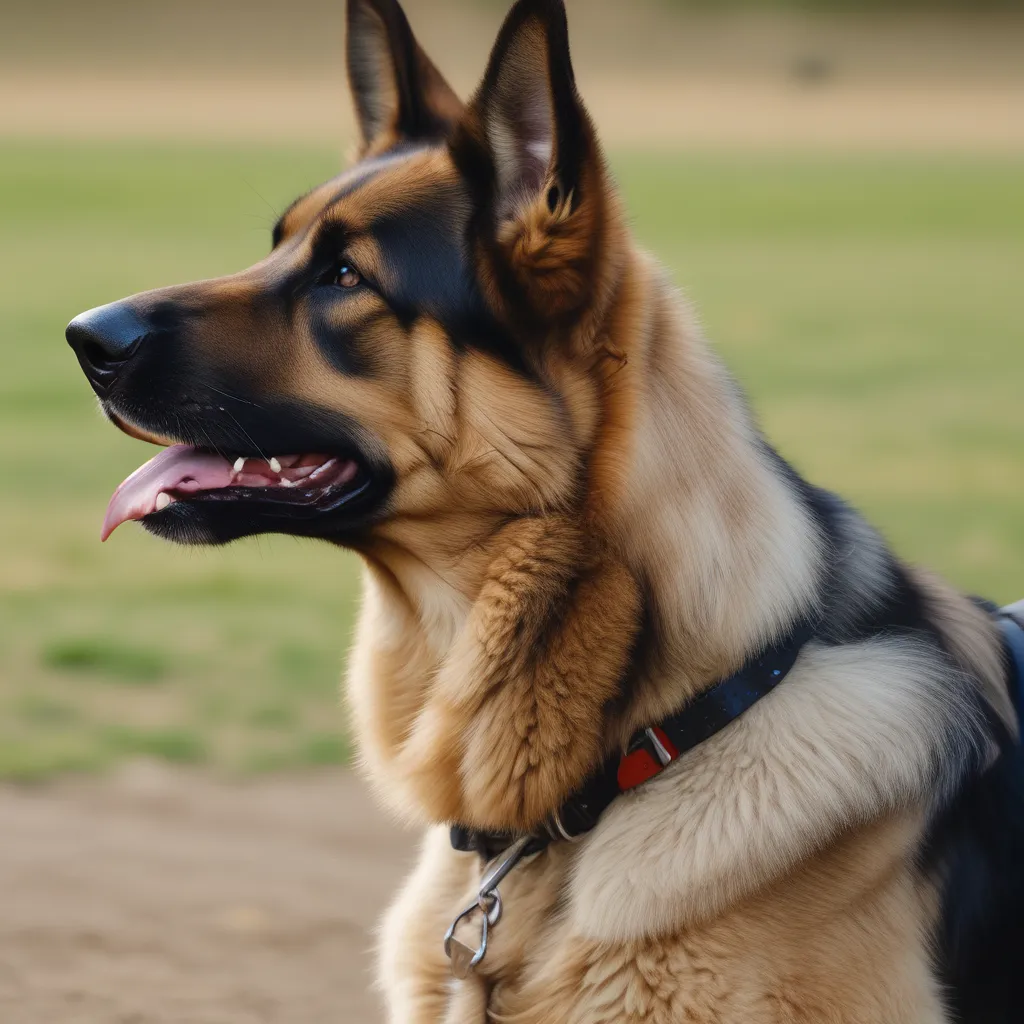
707,516
488,701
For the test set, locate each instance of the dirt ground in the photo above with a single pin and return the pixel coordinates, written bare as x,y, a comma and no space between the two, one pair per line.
157,897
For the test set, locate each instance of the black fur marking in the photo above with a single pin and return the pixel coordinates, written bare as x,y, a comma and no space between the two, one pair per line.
571,139
490,338
572,143
277,235
351,180
975,846
426,268
868,594
327,248
977,849
428,273
886,605
278,427
339,344
375,24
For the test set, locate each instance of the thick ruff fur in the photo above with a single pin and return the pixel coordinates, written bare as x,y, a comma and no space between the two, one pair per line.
577,529
780,872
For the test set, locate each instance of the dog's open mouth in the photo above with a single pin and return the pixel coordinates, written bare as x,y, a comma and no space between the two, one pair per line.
182,474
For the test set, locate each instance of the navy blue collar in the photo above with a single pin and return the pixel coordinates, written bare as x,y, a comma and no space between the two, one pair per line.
653,749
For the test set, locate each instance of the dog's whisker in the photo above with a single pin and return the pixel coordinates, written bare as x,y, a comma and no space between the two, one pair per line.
233,398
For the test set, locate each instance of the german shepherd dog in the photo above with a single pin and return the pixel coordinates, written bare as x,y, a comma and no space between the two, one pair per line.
580,552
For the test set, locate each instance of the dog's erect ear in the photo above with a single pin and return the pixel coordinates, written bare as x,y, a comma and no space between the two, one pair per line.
528,107
399,93
527,148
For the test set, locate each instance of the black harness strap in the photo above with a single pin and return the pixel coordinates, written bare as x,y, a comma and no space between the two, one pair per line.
1012,629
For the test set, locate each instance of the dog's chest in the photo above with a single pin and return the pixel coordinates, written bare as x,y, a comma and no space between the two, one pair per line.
770,960
539,968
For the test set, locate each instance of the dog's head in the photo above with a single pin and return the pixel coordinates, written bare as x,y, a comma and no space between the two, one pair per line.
421,346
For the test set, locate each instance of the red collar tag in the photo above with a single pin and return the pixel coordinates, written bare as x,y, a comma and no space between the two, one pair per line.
646,760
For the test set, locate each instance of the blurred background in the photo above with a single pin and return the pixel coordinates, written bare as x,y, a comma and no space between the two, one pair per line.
839,187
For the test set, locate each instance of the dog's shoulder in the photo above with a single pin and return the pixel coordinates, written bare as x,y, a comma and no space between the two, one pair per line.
858,733
901,709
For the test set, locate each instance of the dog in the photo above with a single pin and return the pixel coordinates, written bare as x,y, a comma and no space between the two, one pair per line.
687,741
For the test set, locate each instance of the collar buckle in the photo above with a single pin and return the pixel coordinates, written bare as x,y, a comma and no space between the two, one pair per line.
649,752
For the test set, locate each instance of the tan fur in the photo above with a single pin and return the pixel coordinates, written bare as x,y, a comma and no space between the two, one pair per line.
840,939
574,555
973,640
658,919
852,736
585,531
771,875
571,528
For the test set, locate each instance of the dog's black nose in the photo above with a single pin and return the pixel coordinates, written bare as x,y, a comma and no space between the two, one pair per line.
104,339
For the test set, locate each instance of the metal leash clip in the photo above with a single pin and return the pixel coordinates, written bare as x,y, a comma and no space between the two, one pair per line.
488,901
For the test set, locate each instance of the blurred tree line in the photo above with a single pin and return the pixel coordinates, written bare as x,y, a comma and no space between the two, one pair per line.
847,6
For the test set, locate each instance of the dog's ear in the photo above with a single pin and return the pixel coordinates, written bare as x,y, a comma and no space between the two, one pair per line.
399,93
528,150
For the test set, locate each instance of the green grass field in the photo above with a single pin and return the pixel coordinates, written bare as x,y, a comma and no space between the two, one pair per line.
874,308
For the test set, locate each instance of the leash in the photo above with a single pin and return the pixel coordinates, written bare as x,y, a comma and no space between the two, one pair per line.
649,752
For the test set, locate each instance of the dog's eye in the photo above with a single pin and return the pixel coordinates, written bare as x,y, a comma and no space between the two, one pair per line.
347,276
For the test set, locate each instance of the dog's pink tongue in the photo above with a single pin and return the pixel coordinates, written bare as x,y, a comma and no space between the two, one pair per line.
178,468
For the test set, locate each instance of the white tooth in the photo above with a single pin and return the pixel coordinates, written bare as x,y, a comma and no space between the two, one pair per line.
275,465
285,482
320,470
239,464
162,501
